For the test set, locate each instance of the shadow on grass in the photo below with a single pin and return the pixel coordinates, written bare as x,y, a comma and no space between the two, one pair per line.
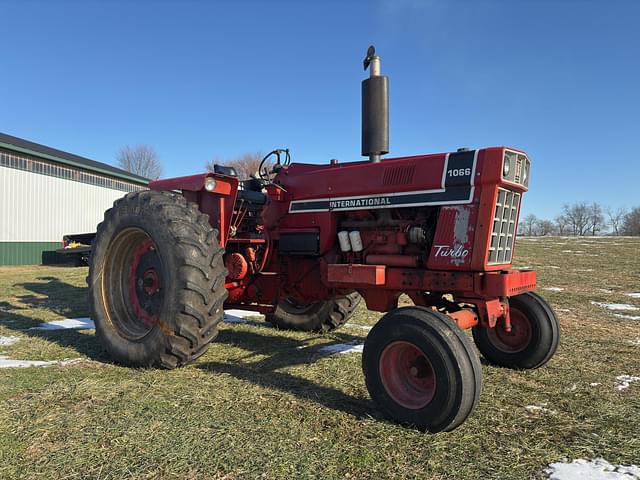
61,298
281,352
52,294
83,343
272,351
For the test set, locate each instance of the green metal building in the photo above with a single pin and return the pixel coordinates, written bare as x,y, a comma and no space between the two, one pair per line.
46,193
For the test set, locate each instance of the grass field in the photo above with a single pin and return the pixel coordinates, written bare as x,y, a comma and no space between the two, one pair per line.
264,403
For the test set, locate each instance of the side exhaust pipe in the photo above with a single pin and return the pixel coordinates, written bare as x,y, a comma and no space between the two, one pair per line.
375,109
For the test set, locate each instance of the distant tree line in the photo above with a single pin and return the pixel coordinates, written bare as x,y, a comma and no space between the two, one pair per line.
584,219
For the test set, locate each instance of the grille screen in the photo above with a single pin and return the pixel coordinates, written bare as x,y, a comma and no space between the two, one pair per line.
504,227
398,175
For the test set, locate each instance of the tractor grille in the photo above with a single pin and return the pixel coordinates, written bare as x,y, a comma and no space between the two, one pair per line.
520,159
503,233
519,168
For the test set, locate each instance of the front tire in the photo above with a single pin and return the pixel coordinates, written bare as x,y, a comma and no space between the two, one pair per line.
156,280
421,369
534,336
322,316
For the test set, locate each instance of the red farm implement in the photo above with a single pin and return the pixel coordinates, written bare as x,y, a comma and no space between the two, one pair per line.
304,243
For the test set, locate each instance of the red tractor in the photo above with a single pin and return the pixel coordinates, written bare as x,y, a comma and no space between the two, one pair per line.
304,243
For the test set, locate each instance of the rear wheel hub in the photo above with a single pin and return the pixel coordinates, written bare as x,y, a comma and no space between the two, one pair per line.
133,277
145,283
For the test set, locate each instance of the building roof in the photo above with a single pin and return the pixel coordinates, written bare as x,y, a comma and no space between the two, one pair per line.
25,146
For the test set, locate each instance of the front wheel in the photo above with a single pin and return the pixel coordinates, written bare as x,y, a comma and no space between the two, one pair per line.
532,341
421,369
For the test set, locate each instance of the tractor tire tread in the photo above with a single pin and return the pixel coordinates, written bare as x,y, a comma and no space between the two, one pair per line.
323,316
200,279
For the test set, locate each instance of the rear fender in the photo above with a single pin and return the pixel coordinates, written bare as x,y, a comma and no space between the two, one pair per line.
217,203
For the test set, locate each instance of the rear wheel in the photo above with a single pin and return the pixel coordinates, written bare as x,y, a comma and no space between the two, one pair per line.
421,369
156,280
532,341
321,316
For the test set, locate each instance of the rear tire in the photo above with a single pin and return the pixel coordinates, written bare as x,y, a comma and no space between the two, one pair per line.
322,316
421,369
533,339
156,280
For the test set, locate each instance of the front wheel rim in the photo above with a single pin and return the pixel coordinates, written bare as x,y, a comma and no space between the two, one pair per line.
407,375
517,339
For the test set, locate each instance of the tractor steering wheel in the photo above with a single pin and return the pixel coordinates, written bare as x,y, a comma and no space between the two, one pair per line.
265,170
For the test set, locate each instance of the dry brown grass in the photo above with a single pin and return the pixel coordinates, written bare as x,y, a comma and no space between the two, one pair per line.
258,406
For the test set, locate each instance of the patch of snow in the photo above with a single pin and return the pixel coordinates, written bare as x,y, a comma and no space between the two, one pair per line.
550,266
553,289
598,469
567,251
583,270
605,290
539,409
616,306
240,316
628,317
6,341
633,294
11,363
595,384
635,342
242,313
624,381
67,324
563,309
342,348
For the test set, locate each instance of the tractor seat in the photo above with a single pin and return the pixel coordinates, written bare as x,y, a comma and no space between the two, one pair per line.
250,196
248,190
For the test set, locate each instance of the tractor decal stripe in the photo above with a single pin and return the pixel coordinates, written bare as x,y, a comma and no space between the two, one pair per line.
457,188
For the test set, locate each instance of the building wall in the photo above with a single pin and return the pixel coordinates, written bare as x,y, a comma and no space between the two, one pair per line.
37,209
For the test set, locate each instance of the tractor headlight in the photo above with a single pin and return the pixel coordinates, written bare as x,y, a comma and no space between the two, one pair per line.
209,184
506,167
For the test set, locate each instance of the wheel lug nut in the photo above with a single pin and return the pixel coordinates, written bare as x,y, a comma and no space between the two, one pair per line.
413,371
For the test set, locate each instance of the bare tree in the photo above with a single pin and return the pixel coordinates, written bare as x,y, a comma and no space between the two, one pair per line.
529,223
596,218
545,227
631,223
562,223
616,217
245,165
578,217
141,160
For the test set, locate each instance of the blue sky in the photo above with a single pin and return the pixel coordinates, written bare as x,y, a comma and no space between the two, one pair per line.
197,80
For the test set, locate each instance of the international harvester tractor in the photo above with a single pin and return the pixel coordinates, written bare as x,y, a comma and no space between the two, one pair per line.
304,243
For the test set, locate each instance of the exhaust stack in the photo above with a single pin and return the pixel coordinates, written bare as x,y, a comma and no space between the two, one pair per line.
375,109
